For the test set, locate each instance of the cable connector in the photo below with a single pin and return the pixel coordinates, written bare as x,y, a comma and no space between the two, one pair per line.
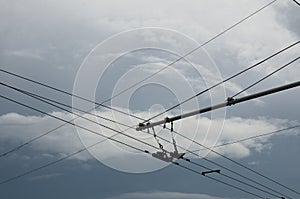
211,171
230,101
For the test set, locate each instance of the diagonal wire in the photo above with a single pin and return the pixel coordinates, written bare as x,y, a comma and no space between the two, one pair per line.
242,182
236,162
296,2
267,76
150,76
83,149
102,104
43,100
227,79
65,92
90,120
195,49
250,138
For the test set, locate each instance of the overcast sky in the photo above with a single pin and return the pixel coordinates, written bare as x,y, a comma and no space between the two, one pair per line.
96,49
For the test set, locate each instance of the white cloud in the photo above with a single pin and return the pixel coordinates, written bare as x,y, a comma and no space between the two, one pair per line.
17,129
58,25
166,195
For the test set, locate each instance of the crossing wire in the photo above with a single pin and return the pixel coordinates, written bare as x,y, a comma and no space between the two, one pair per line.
223,81
83,149
235,162
102,104
192,51
37,97
98,104
251,137
150,76
265,77
65,92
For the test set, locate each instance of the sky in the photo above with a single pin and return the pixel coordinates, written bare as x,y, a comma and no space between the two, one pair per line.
98,49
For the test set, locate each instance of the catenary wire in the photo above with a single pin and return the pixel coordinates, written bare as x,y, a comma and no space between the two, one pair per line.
27,93
296,2
220,181
250,138
175,61
48,132
192,51
92,121
237,163
44,98
245,183
101,104
221,166
265,77
223,81
81,150
65,92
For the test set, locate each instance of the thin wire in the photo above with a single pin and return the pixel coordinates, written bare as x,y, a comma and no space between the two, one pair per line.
192,51
242,182
38,97
227,79
220,181
267,76
102,125
50,163
296,2
230,170
226,168
57,102
250,138
67,93
212,178
33,95
83,149
175,61
237,163
81,127
102,104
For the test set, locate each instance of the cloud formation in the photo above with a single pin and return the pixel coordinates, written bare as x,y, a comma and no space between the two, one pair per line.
166,195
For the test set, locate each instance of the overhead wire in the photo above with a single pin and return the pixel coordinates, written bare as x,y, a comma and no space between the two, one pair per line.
195,49
242,20
222,182
1,155
26,143
88,119
83,149
102,103
265,77
274,1
247,184
48,132
148,77
43,100
237,163
296,2
65,92
225,80
250,138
